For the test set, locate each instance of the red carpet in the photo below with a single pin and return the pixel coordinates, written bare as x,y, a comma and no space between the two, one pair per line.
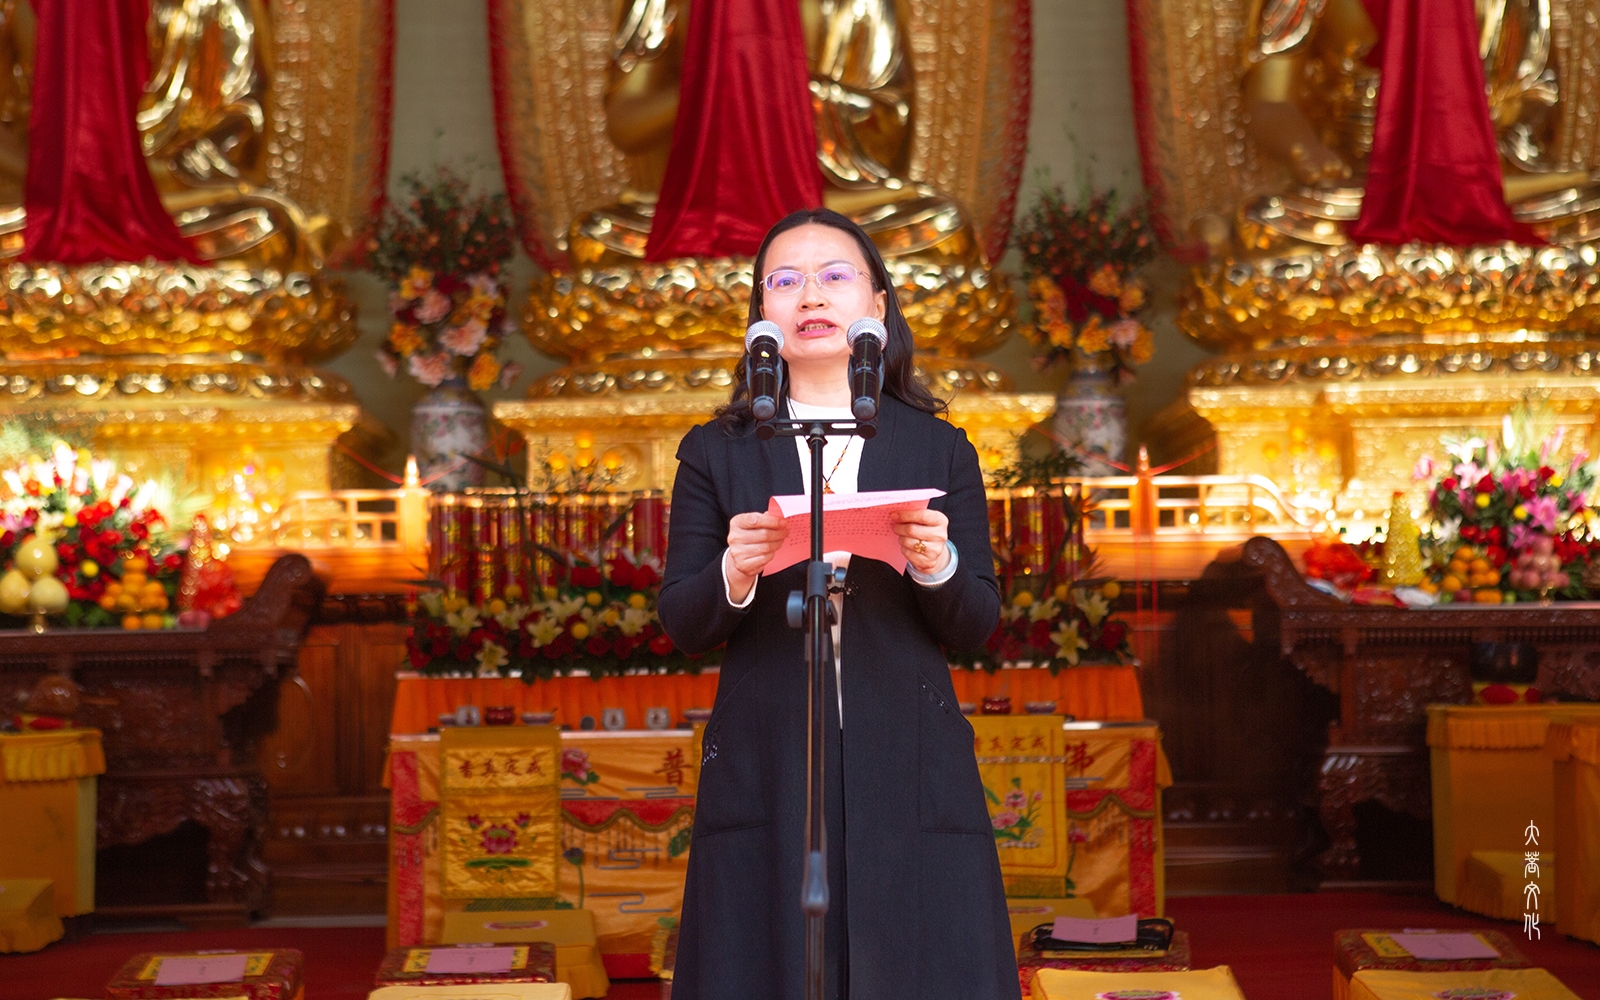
1280,948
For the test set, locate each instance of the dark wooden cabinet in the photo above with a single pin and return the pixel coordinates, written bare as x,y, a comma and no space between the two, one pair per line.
327,822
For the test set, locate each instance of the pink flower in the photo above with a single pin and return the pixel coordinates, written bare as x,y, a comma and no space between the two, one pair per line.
1006,819
483,284
387,362
465,339
1423,469
575,763
1124,332
429,369
1016,800
1038,797
499,839
509,374
435,305
1542,512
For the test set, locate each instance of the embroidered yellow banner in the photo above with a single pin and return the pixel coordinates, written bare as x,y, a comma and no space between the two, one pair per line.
501,812
1020,764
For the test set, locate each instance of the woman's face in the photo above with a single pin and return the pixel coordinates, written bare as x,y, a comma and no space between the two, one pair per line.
814,319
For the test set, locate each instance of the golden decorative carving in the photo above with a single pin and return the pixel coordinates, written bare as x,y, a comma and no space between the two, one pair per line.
1421,292
667,373
175,309
703,305
644,429
146,380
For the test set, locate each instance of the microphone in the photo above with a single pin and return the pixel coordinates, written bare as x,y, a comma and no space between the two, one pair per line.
763,372
867,339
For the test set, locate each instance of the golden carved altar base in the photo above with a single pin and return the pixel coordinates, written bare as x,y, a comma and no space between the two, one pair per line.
1343,426
643,429
196,420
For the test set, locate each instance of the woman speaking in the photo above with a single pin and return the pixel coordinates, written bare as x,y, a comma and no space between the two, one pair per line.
916,906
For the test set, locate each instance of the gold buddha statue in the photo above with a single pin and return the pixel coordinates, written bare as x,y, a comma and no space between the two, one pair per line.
1311,100
862,96
204,124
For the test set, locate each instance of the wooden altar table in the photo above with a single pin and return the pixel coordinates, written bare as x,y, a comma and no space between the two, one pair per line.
181,712
1387,665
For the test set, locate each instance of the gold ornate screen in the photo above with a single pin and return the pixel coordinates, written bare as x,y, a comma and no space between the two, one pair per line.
971,60
329,120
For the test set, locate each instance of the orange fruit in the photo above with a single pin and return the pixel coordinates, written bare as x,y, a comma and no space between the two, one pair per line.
1458,567
108,602
152,621
1491,578
1479,565
1465,552
1486,597
1450,584
132,622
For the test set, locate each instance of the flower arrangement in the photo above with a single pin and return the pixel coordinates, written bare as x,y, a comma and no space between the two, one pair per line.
442,255
1071,624
103,537
1511,522
1080,260
602,622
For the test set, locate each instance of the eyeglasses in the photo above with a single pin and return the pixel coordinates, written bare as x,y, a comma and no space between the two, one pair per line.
832,278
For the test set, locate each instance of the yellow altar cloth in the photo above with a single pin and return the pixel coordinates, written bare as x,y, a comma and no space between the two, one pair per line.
626,810
28,918
1523,984
1200,984
498,991
1575,748
47,811
1491,778
1083,692
1076,809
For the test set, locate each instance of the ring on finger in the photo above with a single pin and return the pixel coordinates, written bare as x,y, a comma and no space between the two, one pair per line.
921,548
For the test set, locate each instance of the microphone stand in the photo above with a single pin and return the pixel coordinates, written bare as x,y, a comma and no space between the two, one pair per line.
811,610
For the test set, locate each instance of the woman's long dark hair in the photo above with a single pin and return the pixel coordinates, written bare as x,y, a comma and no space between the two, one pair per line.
899,378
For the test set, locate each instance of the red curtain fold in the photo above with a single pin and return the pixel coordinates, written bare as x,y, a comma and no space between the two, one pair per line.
744,144
1434,175
88,194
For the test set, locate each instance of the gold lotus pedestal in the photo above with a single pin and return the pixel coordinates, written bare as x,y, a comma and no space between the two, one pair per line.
188,371
1345,367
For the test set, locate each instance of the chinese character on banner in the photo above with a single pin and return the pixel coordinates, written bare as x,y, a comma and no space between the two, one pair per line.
1530,892
1532,835
671,769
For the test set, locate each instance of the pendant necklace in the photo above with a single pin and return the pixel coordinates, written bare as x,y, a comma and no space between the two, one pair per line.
826,489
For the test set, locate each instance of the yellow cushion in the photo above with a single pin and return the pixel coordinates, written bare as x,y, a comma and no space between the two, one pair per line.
502,991
1523,984
28,918
1492,884
578,962
1201,984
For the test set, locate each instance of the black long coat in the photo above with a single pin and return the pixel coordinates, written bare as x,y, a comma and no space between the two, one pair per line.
923,906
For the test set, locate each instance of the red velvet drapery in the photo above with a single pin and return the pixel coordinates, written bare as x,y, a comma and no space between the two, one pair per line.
744,144
88,195
1434,175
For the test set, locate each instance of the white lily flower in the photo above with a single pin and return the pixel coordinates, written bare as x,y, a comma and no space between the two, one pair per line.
462,621
1094,607
1068,642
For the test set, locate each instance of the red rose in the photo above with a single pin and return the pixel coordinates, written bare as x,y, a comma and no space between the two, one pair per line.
661,645
644,577
1039,635
441,647
1111,635
585,576
1545,472
1469,533
597,646
621,571
1485,485
1449,483
1496,556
